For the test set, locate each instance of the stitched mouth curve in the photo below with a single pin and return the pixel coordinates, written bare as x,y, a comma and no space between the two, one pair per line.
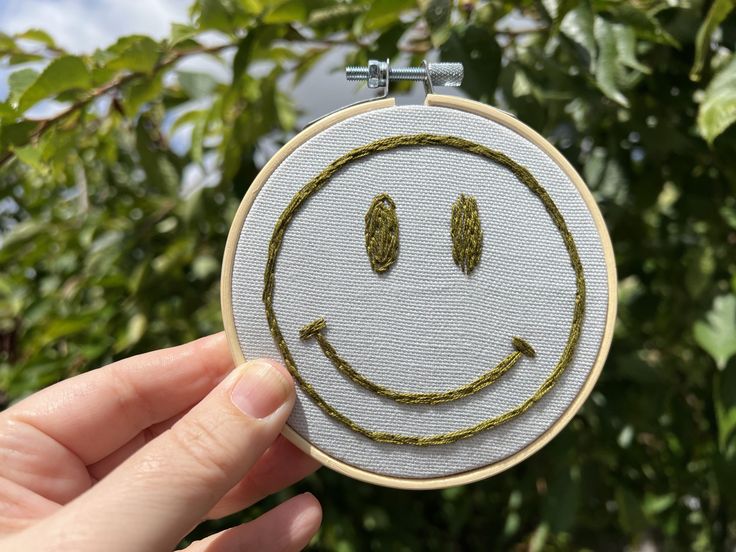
521,348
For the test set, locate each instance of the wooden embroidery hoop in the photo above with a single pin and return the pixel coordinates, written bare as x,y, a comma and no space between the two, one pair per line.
497,116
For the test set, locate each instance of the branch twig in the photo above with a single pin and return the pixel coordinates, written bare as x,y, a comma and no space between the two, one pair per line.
513,33
44,124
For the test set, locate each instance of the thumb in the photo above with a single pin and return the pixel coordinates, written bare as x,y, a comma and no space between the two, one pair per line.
161,492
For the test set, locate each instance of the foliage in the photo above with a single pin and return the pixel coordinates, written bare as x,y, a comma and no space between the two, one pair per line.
104,253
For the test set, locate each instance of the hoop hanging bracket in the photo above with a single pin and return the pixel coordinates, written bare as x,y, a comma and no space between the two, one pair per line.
379,74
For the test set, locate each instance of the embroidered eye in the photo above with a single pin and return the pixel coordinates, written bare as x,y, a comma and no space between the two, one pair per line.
382,233
466,234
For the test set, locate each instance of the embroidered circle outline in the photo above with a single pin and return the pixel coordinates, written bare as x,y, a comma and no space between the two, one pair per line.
386,144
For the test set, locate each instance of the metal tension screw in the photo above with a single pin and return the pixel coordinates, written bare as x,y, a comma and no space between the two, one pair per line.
379,73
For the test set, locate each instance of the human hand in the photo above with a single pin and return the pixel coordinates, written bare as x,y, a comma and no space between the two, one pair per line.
133,455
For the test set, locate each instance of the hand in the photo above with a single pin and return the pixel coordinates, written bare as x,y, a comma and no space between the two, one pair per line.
132,456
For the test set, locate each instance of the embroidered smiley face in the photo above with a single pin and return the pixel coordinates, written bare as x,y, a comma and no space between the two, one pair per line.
382,248
382,244
436,283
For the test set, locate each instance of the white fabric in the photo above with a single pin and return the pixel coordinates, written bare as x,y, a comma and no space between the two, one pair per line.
423,326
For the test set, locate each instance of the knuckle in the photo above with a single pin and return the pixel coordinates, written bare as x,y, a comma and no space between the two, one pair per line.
203,443
132,404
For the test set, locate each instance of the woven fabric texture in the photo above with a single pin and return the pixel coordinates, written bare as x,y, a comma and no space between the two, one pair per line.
423,325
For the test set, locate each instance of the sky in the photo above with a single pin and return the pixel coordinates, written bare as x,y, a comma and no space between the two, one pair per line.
83,25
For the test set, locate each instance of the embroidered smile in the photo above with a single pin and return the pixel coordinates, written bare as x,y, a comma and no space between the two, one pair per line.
521,348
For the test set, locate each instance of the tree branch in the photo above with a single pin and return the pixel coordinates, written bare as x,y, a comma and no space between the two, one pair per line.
44,124
513,33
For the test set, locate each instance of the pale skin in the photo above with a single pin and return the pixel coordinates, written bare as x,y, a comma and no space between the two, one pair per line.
134,455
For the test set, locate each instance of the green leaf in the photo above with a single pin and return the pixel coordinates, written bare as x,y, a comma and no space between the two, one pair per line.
724,398
717,333
437,14
539,538
607,66
198,134
16,134
18,83
642,21
562,500
291,11
552,7
6,112
37,35
718,109
480,54
656,504
188,117
717,13
220,15
252,7
335,17
244,54
21,234
205,266
138,54
133,333
383,13
21,58
286,111
521,85
31,156
140,92
181,33
630,513
577,25
196,85
62,74
191,206
64,327
7,42
626,45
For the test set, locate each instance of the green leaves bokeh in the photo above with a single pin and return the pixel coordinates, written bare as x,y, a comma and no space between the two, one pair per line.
103,253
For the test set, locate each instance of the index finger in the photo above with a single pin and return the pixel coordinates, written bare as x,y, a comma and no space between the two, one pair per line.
95,413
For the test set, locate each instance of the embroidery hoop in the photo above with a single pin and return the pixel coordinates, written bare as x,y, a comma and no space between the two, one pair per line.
496,116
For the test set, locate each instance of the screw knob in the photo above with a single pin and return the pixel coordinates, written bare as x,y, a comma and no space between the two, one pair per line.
446,74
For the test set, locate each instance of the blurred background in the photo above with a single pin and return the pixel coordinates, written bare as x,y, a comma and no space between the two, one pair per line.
129,132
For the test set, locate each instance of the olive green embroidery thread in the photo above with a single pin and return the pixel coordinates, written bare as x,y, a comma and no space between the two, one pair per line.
466,234
386,144
523,347
314,330
382,233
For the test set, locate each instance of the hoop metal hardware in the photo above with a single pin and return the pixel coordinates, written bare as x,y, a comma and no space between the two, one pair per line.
379,74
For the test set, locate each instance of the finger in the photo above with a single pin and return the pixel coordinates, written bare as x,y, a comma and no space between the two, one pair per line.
118,401
100,469
280,466
20,507
168,486
289,526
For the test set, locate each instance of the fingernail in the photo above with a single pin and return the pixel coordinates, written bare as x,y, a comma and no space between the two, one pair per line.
260,390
